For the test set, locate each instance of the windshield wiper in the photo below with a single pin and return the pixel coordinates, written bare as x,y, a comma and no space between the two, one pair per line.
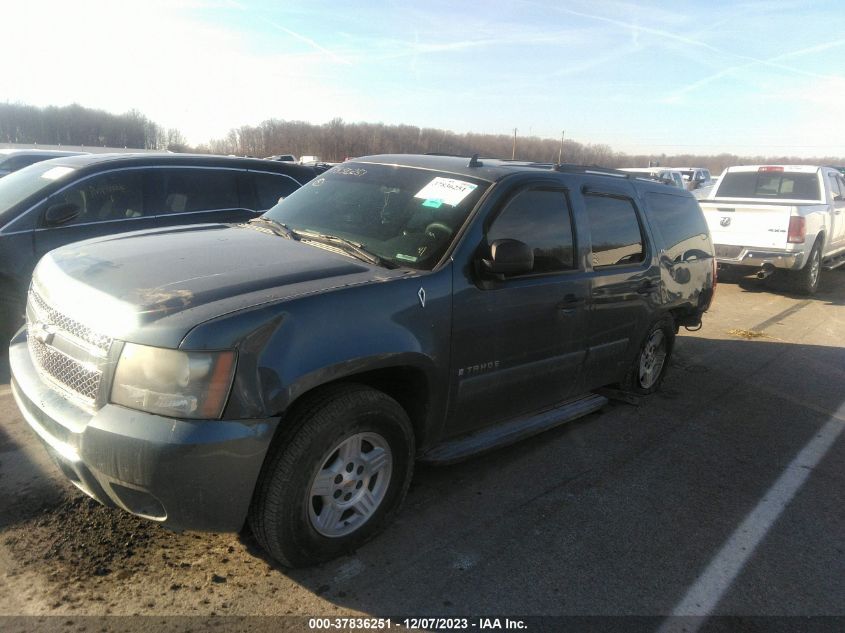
277,228
348,246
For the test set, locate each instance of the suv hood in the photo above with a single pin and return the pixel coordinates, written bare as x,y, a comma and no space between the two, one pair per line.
176,278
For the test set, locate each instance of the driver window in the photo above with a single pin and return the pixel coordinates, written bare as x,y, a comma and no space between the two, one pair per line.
541,219
111,196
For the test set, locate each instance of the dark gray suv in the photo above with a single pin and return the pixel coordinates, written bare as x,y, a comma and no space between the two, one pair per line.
63,200
288,372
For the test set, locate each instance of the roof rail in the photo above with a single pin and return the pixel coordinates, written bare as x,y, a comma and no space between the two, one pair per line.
446,154
590,169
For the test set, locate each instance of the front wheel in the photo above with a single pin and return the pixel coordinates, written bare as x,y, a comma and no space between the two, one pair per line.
649,366
337,480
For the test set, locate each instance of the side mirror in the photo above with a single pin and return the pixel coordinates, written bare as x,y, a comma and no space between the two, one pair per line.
508,257
61,213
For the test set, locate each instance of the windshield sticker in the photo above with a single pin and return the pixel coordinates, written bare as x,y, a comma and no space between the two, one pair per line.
349,171
56,173
447,190
434,203
317,182
406,258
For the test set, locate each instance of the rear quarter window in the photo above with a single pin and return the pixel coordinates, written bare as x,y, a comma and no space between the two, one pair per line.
679,223
271,188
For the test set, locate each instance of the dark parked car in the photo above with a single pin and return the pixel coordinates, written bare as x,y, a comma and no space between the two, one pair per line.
15,159
68,199
290,371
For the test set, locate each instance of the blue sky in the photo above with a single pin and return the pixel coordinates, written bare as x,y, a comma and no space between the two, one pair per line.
748,78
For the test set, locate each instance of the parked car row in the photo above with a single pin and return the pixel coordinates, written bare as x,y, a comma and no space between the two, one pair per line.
287,372
663,174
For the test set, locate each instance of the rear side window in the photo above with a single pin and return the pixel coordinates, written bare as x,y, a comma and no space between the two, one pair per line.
541,219
615,230
187,190
834,185
679,221
769,184
270,188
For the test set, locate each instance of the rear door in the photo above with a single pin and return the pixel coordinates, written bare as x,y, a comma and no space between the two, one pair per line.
196,195
837,192
518,342
625,279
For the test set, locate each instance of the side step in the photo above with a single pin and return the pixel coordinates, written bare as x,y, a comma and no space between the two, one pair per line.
509,432
834,262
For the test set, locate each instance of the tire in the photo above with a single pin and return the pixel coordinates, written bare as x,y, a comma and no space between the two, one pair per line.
806,280
648,369
290,518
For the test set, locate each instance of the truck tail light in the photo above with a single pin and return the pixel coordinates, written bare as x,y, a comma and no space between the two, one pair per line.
770,168
797,230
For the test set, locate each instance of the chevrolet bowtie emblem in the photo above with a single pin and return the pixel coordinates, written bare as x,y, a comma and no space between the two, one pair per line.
41,332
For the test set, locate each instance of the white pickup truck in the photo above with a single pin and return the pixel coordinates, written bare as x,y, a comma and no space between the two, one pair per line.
783,220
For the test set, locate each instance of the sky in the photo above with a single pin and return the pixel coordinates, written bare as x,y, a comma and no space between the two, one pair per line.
748,78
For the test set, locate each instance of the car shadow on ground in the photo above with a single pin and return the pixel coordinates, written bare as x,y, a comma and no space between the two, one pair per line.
831,286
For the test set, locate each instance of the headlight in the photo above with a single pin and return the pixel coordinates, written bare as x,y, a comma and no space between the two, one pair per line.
172,382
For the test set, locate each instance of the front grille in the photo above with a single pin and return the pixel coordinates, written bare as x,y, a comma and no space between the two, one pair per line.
71,374
725,250
50,316
77,367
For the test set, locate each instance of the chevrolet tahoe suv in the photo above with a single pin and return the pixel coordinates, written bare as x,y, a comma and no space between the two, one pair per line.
289,371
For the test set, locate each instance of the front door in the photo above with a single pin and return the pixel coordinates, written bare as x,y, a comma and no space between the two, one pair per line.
108,203
517,342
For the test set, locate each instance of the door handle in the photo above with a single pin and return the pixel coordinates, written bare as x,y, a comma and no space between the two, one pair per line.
570,302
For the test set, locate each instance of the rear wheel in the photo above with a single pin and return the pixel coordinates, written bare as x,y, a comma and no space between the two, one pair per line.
806,280
649,366
337,480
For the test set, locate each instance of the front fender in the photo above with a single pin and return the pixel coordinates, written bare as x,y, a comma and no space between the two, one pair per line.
287,349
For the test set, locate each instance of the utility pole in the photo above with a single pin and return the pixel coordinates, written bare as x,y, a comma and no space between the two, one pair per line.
560,152
513,153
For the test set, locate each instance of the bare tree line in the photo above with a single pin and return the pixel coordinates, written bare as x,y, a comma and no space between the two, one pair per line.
332,141
76,125
337,140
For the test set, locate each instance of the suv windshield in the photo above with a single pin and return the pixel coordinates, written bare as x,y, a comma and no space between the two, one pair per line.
20,185
405,216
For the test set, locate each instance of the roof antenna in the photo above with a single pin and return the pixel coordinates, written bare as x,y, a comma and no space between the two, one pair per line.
474,162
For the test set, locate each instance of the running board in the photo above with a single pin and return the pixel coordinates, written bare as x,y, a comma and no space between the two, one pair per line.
834,262
509,432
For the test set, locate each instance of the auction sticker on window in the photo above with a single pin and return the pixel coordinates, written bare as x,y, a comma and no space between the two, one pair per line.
446,190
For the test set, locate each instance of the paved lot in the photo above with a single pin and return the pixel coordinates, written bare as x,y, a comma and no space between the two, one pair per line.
725,493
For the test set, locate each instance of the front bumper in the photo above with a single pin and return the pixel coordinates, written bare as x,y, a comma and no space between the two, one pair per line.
731,255
186,474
